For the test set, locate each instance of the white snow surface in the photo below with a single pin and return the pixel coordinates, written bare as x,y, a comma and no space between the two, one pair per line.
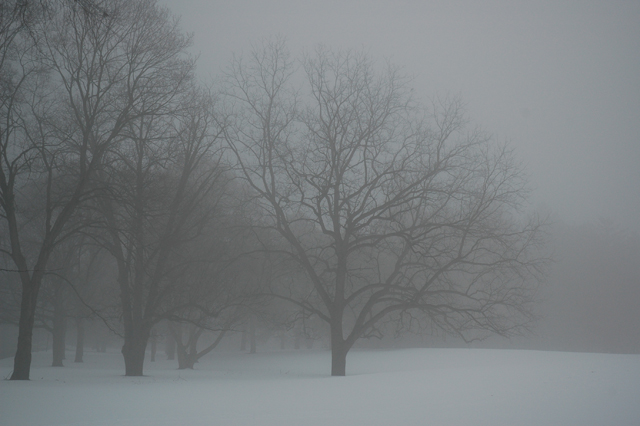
394,387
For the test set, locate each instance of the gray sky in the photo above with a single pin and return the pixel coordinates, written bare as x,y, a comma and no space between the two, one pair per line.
560,80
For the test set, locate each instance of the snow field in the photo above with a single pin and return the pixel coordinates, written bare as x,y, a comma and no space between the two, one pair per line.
394,387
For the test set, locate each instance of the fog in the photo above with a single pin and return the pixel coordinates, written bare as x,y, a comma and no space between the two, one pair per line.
558,80
229,241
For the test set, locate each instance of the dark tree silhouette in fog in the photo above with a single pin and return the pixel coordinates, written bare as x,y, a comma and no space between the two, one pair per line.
387,206
163,187
74,81
59,115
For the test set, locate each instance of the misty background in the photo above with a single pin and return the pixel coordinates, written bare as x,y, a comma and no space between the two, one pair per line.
558,80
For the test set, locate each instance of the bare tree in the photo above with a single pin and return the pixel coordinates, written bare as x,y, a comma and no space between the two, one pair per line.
188,353
77,82
218,285
387,208
29,154
163,186
56,306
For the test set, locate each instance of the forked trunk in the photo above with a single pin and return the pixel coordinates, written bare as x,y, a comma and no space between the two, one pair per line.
187,357
186,360
188,354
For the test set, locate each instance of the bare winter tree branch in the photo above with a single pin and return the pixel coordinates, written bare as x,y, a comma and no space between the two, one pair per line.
385,206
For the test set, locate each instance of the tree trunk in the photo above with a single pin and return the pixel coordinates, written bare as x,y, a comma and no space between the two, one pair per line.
338,361
186,360
179,348
338,349
194,335
133,351
59,335
243,341
187,353
252,335
154,346
22,359
297,337
170,347
79,339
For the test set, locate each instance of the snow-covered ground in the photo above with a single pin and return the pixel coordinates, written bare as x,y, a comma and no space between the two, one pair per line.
396,387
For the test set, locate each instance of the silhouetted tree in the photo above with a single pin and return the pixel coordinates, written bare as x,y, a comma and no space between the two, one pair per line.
46,140
386,206
164,183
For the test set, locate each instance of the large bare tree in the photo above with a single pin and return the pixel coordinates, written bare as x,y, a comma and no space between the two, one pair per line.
33,155
389,207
